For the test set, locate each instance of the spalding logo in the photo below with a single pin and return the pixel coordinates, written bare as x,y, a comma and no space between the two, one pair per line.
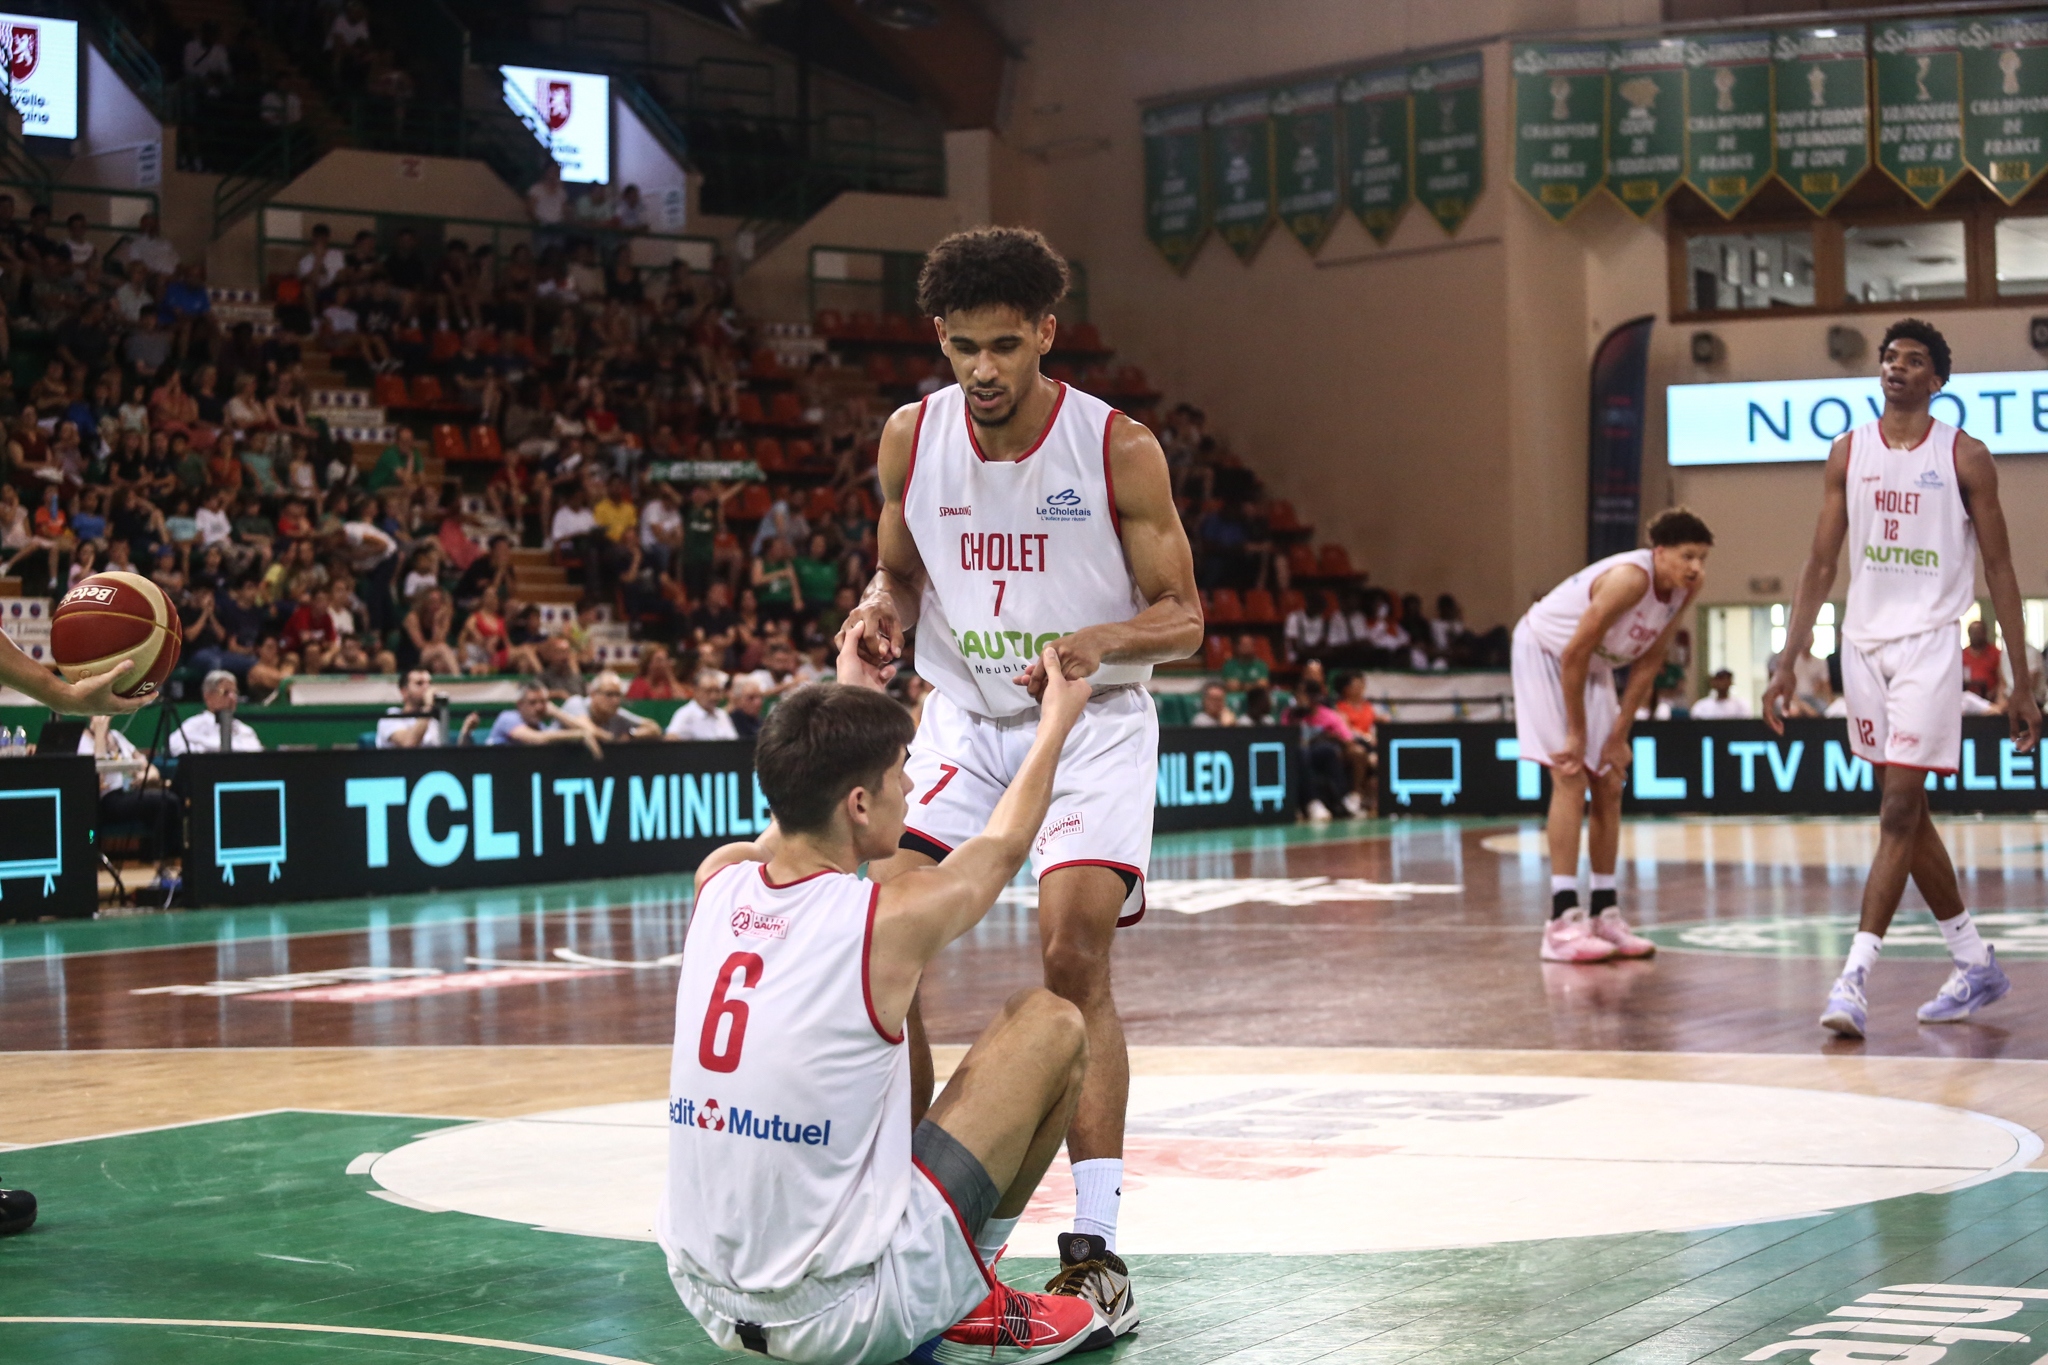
90,593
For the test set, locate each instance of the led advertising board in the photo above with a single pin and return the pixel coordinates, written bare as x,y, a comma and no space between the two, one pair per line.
571,113
1797,419
42,73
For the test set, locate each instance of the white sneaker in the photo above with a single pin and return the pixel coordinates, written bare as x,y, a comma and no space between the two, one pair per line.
1353,806
1317,811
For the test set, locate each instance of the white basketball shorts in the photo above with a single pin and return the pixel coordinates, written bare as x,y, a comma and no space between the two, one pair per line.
1905,700
929,1278
1540,726
1101,813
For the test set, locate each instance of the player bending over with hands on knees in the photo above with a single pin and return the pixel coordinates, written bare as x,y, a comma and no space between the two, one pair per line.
1916,500
1621,611
805,1218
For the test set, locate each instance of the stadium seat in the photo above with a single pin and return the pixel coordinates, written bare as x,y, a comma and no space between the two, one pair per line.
1334,562
1282,517
734,450
1095,379
426,390
753,502
799,453
1061,373
1224,608
766,364
1292,601
768,455
1085,337
1259,609
914,369
483,444
389,391
1262,649
1301,561
896,327
881,369
747,407
446,343
484,341
1215,650
861,327
1131,379
823,506
786,409
829,322
448,442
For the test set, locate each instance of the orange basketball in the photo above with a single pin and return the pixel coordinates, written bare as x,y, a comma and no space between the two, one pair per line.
109,617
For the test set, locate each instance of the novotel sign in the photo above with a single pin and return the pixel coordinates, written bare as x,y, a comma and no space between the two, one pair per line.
1776,421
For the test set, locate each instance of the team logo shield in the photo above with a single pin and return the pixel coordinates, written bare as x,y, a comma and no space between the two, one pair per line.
554,103
24,47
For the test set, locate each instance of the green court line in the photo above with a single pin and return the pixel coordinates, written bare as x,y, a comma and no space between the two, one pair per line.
185,928
236,1226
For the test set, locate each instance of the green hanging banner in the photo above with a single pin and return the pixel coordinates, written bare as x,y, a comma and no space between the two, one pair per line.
1728,118
1646,111
1176,192
1560,123
1377,147
1241,162
1305,139
1917,68
1820,115
1450,148
2005,100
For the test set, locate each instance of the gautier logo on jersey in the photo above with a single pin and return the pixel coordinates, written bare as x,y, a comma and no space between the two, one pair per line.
1901,554
1798,419
710,1117
1064,505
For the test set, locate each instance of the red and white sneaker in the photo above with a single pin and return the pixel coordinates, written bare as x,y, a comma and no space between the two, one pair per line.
1609,925
1010,1326
1571,938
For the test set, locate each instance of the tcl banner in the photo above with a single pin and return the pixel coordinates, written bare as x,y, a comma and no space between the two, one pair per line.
571,113
42,73
1718,767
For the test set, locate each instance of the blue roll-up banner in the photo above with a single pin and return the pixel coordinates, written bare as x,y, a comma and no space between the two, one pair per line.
1614,440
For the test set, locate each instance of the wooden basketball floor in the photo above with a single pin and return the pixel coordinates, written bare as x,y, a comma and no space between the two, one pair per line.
1367,1125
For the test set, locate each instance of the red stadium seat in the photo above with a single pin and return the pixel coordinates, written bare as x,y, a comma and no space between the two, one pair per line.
753,502
799,453
446,343
828,323
862,327
389,391
747,407
1292,601
1215,650
786,409
1224,608
1085,337
1131,379
483,444
448,442
426,390
1061,373
768,455
484,341
766,364
1262,649
1334,562
881,369
823,506
896,327
1282,517
1259,609
1301,561
734,450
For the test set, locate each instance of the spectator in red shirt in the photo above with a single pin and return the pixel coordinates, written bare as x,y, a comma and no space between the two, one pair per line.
310,632
1980,664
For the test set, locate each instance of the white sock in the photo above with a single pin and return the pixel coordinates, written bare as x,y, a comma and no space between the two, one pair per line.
1098,1193
1558,884
994,1236
1963,943
1863,952
1602,881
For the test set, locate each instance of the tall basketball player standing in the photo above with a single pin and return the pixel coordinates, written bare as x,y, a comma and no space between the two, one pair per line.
1917,501
1020,513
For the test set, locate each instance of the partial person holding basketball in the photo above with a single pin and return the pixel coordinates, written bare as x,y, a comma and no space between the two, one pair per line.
115,637
1917,501
809,1213
1619,612
1018,514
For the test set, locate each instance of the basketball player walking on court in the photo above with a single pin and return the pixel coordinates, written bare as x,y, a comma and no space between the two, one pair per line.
803,1216
1917,500
1020,515
1618,612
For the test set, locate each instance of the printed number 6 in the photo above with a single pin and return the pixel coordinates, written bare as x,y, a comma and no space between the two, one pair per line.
747,967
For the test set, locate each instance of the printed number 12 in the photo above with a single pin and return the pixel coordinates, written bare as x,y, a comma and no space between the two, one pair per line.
1000,583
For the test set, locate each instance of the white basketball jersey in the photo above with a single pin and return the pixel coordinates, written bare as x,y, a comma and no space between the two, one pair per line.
789,1108
1016,552
1555,619
1912,546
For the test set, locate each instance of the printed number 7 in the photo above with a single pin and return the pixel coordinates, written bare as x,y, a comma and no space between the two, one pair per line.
1000,583
947,772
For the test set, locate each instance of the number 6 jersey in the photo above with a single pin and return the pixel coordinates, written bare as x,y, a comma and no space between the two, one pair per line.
1016,552
789,1107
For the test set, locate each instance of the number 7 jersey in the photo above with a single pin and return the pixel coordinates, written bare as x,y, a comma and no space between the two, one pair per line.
1016,552
789,1107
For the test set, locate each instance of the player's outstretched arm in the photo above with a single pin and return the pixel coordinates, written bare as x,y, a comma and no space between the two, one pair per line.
889,606
1617,590
93,697
1816,581
923,910
1978,475
1156,544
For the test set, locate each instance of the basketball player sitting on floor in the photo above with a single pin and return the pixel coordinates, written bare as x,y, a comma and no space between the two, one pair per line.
804,1218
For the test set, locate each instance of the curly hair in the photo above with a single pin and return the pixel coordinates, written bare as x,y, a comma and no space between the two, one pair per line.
992,267
1679,526
1913,329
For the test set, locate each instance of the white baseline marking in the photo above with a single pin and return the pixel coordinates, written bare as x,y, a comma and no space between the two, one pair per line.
559,1352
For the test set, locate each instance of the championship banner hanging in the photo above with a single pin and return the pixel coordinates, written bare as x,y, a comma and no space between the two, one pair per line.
1917,68
2005,100
1377,117
1305,139
1450,149
1241,155
1646,111
1820,117
1176,190
1560,123
1728,153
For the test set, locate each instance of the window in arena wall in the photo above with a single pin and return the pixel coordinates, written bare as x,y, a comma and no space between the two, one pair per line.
2020,247
1905,262
1749,271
